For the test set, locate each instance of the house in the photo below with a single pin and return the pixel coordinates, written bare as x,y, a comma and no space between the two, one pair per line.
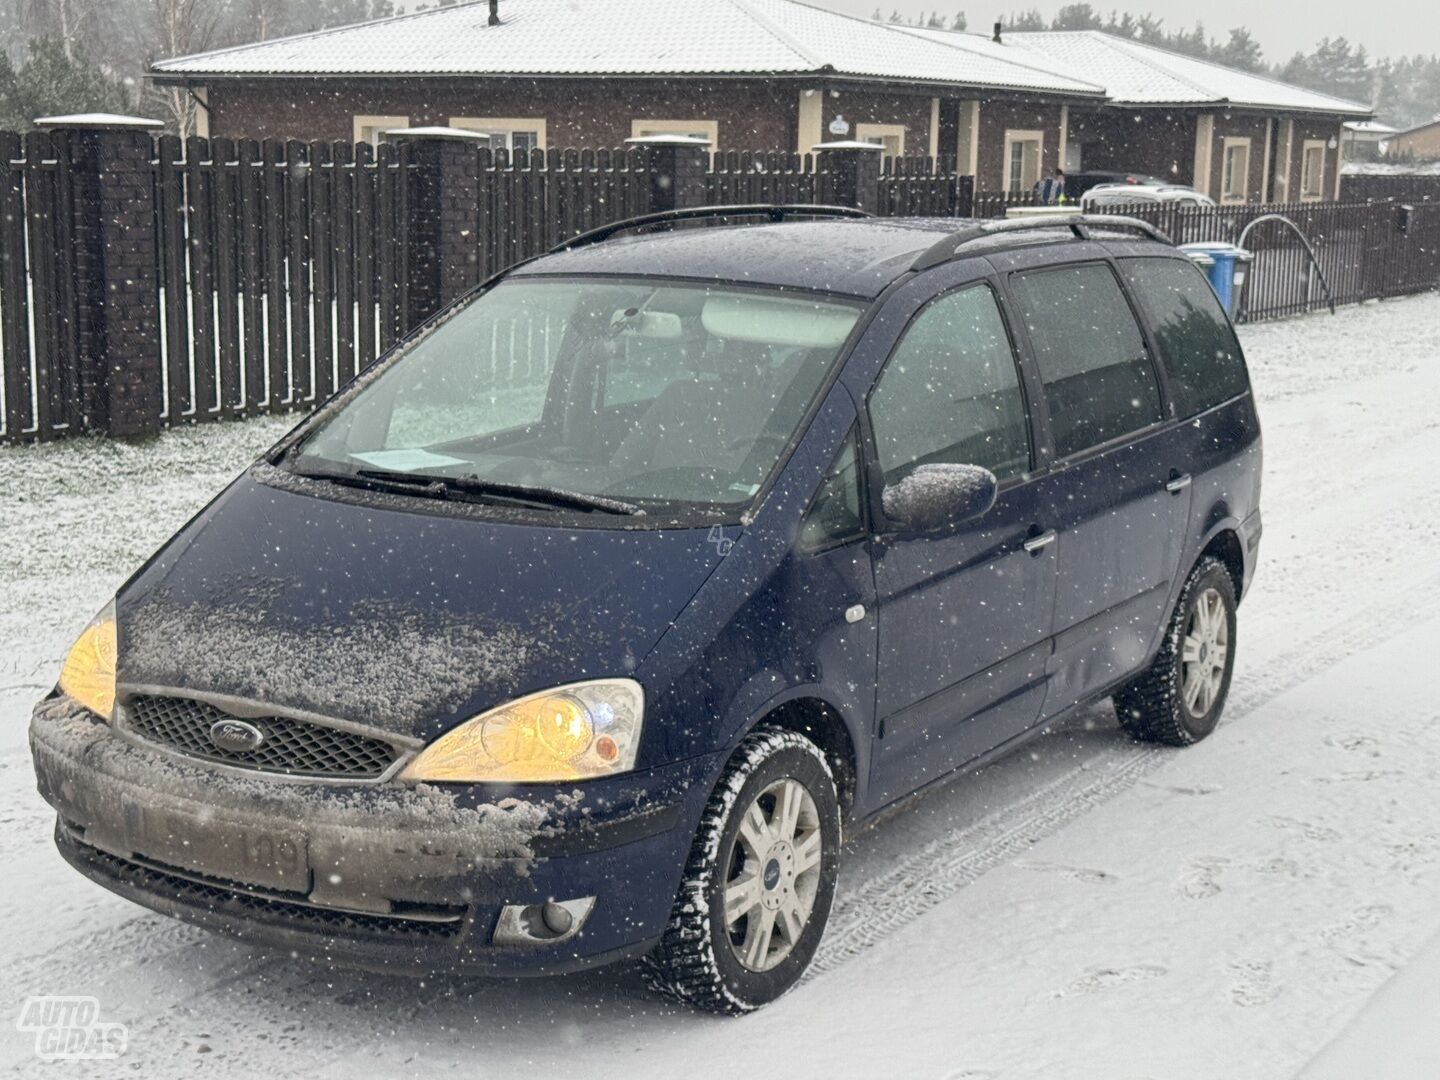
745,74
1418,143
776,75
1365,140
1236,136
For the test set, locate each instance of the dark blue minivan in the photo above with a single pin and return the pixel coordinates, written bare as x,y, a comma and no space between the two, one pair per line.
578,628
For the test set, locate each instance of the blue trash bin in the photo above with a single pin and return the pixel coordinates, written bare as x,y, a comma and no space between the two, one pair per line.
1226,270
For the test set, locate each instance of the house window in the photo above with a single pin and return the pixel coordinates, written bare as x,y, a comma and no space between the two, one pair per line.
1312,171
890,136
1023,152
694,129
517,134
1235,174
369,129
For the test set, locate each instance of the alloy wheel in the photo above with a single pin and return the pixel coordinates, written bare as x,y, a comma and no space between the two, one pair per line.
772,875
1205,650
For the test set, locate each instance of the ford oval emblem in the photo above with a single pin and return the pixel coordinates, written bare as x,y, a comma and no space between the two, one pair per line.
236,736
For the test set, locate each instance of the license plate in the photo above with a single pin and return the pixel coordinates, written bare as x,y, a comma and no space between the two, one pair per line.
272,858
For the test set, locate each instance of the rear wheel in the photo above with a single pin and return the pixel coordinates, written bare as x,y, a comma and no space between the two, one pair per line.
1179,698
759,881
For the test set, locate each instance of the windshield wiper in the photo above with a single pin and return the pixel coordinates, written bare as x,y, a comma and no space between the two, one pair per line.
451,487
447,487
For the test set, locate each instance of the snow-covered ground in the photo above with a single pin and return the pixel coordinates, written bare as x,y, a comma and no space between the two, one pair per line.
1088,908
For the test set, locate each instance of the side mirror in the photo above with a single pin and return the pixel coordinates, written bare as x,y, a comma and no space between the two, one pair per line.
935,497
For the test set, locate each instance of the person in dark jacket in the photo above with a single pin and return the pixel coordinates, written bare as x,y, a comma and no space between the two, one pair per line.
1051,189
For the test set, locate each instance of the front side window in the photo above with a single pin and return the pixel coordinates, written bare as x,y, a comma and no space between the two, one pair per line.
1197,345
950,392
633,390
1099,382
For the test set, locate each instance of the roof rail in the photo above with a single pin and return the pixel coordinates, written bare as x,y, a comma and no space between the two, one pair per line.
699,213
1079,224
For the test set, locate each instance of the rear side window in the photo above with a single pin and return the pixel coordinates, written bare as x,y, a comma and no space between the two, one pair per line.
1099,382
1197,346
951,392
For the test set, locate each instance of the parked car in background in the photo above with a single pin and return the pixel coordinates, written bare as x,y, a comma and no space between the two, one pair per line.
1076,184
1143,194
576,629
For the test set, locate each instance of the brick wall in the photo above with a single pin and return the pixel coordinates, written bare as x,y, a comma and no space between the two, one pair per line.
998,117
1150,141
594,113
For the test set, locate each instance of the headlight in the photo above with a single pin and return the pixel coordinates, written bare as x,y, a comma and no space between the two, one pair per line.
569,733
88,674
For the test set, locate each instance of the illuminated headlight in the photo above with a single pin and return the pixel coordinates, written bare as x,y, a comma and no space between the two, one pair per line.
88,674
569,733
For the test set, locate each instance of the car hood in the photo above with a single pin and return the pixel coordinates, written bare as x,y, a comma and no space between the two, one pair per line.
363,609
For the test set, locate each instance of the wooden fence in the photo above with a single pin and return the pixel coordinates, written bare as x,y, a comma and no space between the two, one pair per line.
281,270
147,282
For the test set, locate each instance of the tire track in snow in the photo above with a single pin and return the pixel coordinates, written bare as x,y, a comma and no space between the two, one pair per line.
871,910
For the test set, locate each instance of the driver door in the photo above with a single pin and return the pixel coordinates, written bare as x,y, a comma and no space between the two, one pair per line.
964,615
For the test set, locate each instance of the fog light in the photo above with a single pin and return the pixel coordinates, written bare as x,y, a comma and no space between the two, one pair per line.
542,924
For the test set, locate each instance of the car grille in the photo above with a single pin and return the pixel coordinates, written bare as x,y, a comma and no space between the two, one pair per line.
292,746
215,896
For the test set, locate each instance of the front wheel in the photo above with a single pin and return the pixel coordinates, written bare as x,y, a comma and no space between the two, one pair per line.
759,881
1178,699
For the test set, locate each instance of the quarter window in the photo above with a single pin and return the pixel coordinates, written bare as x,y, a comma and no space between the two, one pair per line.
1099,382
834,516
951,393
1197,345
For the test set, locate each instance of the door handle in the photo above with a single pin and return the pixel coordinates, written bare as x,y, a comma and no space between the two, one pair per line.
1037,544
1177,484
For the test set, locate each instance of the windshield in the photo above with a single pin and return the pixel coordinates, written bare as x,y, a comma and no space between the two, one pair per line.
632,391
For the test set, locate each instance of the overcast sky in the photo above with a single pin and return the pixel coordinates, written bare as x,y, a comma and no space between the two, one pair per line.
1283,27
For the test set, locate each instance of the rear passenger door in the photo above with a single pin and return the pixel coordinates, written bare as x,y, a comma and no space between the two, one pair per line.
1117,493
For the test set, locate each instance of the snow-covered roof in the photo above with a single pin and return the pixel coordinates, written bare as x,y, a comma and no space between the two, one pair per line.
632,37
1369,127
1137,74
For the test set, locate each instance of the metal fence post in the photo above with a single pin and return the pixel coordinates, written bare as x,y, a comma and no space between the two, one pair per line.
117,334
444,218
854,172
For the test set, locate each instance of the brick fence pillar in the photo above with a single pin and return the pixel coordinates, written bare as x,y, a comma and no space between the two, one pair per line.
444,216
853,169
116,276
678,166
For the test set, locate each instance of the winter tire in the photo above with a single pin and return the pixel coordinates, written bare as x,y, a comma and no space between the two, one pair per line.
1178,699
759,880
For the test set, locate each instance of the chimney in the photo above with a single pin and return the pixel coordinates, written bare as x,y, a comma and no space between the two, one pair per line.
495,14
995,37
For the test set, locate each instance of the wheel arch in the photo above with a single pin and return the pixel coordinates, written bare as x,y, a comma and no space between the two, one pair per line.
808,711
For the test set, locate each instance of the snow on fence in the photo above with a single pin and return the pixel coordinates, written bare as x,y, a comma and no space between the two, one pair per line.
147,282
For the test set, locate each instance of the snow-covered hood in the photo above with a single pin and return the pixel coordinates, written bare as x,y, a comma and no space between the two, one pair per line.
360,610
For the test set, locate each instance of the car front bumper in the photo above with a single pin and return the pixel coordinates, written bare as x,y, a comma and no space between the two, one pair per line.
386,875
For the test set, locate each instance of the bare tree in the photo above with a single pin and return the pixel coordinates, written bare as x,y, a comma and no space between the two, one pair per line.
70,22
180,27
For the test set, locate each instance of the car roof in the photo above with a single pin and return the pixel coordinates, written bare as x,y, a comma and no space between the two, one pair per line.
851,256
